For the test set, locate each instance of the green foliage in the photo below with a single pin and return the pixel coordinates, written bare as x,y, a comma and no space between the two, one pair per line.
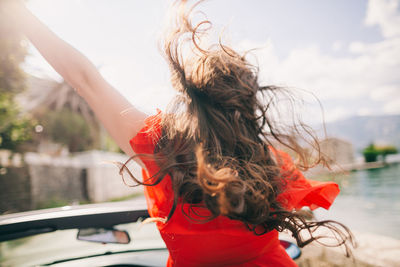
372,152
14,128
68,128
52,203
128,197
387,150
110,145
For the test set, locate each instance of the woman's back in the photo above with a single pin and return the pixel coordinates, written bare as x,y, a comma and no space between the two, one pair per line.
195,238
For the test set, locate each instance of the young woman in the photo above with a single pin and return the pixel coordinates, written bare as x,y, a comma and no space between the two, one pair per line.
215,182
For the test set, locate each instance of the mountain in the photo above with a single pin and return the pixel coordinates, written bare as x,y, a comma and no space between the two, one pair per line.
363,130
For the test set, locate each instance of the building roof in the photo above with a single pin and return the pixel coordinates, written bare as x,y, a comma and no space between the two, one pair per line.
42,95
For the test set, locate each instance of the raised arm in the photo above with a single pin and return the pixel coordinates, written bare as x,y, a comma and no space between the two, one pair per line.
118,116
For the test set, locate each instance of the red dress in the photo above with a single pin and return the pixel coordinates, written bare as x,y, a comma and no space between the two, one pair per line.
222,241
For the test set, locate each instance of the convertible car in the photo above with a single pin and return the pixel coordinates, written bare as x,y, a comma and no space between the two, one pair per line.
107,234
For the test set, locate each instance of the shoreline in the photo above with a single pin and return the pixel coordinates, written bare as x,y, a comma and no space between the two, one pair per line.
348,167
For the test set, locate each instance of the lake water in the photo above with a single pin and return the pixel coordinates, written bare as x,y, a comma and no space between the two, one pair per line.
369,201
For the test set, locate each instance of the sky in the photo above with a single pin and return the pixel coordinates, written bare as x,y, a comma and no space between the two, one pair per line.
346,53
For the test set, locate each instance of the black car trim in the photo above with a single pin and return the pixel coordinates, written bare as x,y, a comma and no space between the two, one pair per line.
85,216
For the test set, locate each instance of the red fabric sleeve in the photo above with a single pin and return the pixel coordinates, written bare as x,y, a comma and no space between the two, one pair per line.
146,139
300,192
159,197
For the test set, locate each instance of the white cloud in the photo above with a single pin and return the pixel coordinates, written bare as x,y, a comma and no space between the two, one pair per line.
336,113
368,70
385,92
263,55
337,46
364,111
384,13
138,85
371,70
392,106
357,47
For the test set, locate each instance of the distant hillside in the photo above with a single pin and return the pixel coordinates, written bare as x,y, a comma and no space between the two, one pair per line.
363,130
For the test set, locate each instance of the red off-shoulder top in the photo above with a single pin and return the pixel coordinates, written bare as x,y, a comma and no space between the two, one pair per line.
222,241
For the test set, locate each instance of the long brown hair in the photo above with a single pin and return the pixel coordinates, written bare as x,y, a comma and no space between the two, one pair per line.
219,135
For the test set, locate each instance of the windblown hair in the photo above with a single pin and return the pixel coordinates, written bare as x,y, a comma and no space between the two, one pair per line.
219,138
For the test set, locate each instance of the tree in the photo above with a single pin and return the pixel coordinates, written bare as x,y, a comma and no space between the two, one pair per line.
372,152
62,108
14,127
68,128
387,150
